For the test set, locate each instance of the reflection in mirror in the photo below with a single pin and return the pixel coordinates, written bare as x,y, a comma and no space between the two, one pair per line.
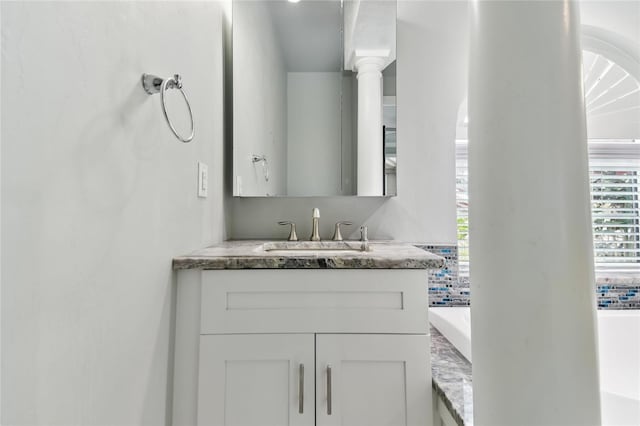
314,98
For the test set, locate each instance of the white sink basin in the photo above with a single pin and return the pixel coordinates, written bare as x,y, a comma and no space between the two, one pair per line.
313,246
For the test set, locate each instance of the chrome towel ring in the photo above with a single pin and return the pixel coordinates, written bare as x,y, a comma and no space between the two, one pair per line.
265,164
153,84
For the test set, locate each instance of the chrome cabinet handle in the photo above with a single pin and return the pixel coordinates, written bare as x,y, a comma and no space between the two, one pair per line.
329,389
301,389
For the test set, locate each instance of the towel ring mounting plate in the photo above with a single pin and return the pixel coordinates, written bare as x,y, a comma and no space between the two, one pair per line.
153,84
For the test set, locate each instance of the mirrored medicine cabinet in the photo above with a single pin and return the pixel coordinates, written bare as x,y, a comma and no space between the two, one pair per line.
314,98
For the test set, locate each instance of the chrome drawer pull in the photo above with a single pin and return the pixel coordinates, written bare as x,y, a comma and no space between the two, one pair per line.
301,389
329,389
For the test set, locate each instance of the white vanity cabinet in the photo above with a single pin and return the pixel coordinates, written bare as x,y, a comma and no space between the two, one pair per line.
256,379
277,347
376,379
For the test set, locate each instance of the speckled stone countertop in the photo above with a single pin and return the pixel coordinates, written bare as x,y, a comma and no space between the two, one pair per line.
266,255
451,376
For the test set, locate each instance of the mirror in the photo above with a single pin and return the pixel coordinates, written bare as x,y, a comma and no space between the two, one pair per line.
314,103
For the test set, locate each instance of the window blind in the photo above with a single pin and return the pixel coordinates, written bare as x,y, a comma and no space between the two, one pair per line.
614,206
614,172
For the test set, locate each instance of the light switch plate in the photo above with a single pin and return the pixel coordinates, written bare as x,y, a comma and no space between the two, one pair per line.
203,180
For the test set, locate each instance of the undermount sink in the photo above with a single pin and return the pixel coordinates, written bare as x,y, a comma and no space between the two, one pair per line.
298,246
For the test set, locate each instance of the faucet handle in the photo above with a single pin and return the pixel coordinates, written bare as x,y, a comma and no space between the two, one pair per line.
292,234
364,238
337,236
363,233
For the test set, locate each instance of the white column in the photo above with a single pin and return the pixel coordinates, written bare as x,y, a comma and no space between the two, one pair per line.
533,297
370,155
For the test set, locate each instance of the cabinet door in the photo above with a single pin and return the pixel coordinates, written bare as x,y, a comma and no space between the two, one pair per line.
372,380
248,380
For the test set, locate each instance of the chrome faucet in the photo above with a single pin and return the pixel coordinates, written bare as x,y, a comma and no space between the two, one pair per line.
315,234
292,232
337,235
364,239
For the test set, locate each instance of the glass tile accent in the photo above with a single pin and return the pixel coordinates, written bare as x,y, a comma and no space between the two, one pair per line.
447,287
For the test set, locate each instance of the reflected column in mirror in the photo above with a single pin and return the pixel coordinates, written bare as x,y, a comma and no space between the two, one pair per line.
370,49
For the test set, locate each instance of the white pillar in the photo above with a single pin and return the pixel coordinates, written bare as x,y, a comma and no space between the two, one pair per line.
533,295
370,155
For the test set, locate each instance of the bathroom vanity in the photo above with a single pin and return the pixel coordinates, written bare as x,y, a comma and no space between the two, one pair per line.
274,335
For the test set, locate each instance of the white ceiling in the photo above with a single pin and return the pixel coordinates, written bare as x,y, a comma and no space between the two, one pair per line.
310,32
369,27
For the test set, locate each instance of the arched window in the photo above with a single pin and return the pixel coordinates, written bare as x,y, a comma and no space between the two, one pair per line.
612,101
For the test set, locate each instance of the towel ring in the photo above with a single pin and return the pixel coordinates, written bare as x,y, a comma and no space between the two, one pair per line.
265,164
153,84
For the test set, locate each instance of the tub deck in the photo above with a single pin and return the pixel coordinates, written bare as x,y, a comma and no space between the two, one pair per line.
451,377
619,354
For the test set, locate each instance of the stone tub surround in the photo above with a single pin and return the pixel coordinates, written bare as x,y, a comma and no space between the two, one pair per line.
251,255
451,378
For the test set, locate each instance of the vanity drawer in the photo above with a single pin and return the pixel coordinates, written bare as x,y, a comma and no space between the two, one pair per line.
314,301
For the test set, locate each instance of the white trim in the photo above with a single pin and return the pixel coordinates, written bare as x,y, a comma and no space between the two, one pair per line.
627,150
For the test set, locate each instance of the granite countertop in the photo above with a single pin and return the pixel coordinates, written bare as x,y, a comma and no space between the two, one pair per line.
451,377
252,255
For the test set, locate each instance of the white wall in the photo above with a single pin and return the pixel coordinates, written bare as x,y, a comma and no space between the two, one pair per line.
97,197
431,70
620,16
259,102
314,133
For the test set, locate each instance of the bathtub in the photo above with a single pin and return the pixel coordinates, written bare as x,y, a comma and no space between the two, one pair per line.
619,354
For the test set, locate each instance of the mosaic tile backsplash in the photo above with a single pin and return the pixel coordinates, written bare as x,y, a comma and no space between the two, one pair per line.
447,288
619,293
